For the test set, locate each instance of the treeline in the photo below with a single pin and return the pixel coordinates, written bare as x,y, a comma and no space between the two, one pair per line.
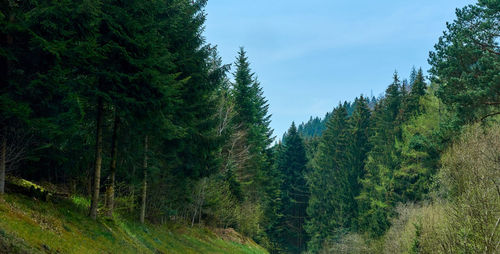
414,173
339,184
314,127
126,103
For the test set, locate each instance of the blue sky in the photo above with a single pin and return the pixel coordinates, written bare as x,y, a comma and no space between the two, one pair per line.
311,54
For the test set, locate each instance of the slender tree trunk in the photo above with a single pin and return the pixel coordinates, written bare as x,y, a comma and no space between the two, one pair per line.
145,182
98,160
194,216
111,187
89,182
132,191
72,184
2,164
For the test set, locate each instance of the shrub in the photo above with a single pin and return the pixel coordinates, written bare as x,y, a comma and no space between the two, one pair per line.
471,177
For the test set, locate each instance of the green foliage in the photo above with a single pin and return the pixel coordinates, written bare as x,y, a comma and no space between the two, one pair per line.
315,127
463,216
250,218
33,226
255,182
70,70
288,230
377,195
328,182
357,150
253,119
469,178
466,62
416,245
419,146
417,229
418,89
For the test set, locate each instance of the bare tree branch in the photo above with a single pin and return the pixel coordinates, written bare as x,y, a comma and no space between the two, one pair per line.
18,143
490,115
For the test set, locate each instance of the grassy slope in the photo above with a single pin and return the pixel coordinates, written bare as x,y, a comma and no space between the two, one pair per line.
32,226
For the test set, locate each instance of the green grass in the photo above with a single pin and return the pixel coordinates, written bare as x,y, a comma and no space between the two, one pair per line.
28,225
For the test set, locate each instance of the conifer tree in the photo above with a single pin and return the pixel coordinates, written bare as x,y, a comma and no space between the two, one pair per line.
465,63
418,89
358,148
419,146
377,195
273,211
329,184
14,111
294,193
252,115
199,144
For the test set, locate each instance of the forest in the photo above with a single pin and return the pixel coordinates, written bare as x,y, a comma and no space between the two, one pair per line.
125,105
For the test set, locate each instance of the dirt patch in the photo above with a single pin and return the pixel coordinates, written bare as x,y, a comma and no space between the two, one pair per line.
229,234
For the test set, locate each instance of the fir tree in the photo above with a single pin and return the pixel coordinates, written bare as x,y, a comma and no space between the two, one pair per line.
419,146
292,163
377,195
418,90
358,148
329,184
252,116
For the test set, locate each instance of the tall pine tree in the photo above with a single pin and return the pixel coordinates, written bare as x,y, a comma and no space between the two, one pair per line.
292,163
376,199
358,148
329,204
253,119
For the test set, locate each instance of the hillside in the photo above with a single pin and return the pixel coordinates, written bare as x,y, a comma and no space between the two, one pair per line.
28,225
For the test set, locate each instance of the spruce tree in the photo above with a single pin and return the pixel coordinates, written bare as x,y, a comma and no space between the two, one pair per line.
420,145
329,207
274,215
13,50
377,197
253,119
292,163
358,148
418,89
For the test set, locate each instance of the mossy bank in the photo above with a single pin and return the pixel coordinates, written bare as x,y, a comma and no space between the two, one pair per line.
28,225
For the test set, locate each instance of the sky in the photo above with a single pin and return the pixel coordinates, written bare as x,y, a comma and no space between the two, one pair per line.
311,54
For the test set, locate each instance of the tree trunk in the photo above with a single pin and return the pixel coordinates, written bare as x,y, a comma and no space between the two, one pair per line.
111,187
132,191
72,184
194,216
98,160
145,182
88,182
2,164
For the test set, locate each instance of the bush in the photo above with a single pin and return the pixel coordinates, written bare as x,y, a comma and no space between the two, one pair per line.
250,215
348,244
220,206
417,229
471,177
466,216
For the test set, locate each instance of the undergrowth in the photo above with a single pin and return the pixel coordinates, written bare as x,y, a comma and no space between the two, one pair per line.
28,225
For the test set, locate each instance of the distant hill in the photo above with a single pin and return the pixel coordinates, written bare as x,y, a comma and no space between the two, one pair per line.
315,126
